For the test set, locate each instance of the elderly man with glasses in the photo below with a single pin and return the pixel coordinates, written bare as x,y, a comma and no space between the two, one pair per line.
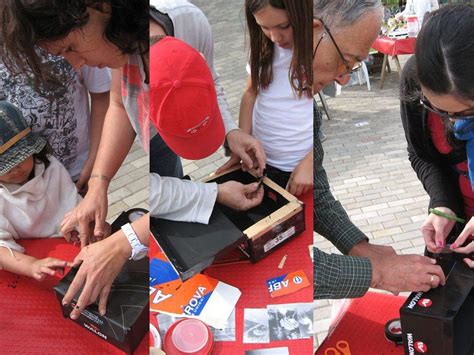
343,31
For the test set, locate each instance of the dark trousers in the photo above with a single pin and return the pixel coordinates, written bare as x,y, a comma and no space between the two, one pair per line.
163,161
279,176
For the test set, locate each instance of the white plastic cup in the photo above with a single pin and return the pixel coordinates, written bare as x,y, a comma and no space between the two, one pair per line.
412,26
156,337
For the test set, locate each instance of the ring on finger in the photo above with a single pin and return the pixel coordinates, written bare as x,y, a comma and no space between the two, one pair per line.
432,278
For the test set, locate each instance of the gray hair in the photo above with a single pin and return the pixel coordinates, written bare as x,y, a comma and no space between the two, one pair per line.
343,13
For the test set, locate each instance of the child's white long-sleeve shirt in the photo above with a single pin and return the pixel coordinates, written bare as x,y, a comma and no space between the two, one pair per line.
36,208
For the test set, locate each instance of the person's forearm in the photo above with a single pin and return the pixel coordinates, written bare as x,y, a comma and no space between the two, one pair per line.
309,158
99,105
142,229
117,134
338,276
15,262
439,186
181,200
246,108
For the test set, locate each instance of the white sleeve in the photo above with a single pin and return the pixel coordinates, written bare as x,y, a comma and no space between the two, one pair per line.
181,200
6,236
96,80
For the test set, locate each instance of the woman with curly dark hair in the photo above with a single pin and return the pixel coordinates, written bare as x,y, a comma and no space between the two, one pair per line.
108,33
96,33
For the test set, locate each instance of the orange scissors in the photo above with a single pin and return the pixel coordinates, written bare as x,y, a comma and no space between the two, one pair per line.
342,348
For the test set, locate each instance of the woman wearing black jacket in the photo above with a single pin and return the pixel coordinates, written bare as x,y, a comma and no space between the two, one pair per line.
437,108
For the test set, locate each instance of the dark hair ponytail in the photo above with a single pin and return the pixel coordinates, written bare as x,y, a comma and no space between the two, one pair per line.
445,52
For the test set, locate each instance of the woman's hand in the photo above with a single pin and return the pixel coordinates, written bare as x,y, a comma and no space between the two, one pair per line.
466,234
301,179
100,264
436,229
89,215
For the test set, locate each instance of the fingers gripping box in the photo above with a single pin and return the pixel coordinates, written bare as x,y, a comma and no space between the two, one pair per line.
441,321
127,318
191,247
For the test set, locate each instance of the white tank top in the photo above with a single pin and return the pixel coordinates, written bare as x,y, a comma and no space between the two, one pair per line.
281,121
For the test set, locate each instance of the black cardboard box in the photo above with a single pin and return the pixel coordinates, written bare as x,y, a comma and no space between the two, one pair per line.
441,321
127,318
192,247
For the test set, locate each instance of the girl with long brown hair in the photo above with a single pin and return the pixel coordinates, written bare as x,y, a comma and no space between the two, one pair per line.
277,103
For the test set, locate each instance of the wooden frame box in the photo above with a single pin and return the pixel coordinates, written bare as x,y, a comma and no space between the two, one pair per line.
192,247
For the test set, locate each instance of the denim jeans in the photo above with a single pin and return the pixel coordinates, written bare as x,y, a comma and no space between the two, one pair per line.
163,161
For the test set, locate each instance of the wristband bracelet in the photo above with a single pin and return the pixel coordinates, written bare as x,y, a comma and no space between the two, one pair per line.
100,176
447,216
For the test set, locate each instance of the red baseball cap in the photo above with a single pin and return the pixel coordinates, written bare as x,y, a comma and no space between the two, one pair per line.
183,101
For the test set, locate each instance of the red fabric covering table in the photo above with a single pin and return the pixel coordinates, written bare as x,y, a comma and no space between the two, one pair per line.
393,47
362,326
250,279
31,320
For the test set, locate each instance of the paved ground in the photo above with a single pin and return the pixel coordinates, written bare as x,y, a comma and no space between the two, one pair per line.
366,157
129,188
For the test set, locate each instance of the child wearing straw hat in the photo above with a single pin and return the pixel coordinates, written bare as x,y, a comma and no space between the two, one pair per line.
35,193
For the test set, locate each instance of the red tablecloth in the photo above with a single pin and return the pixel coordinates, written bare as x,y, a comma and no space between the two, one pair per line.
250,279
363,326
31,320
392,46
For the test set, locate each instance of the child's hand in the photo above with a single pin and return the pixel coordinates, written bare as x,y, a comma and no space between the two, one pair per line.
301,179
40,268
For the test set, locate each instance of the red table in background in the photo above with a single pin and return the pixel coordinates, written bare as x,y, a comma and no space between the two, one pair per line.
393,47
250,279
362,326
31,320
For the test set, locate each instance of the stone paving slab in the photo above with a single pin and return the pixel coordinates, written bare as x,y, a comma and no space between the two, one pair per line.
130,186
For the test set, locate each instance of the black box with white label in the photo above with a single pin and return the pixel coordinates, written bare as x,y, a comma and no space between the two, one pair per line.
441,321
192,247
127,317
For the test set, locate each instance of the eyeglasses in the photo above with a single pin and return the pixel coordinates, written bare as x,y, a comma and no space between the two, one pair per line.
445,114
349,71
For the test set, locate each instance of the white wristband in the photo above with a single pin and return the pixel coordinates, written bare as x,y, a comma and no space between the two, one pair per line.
138,249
